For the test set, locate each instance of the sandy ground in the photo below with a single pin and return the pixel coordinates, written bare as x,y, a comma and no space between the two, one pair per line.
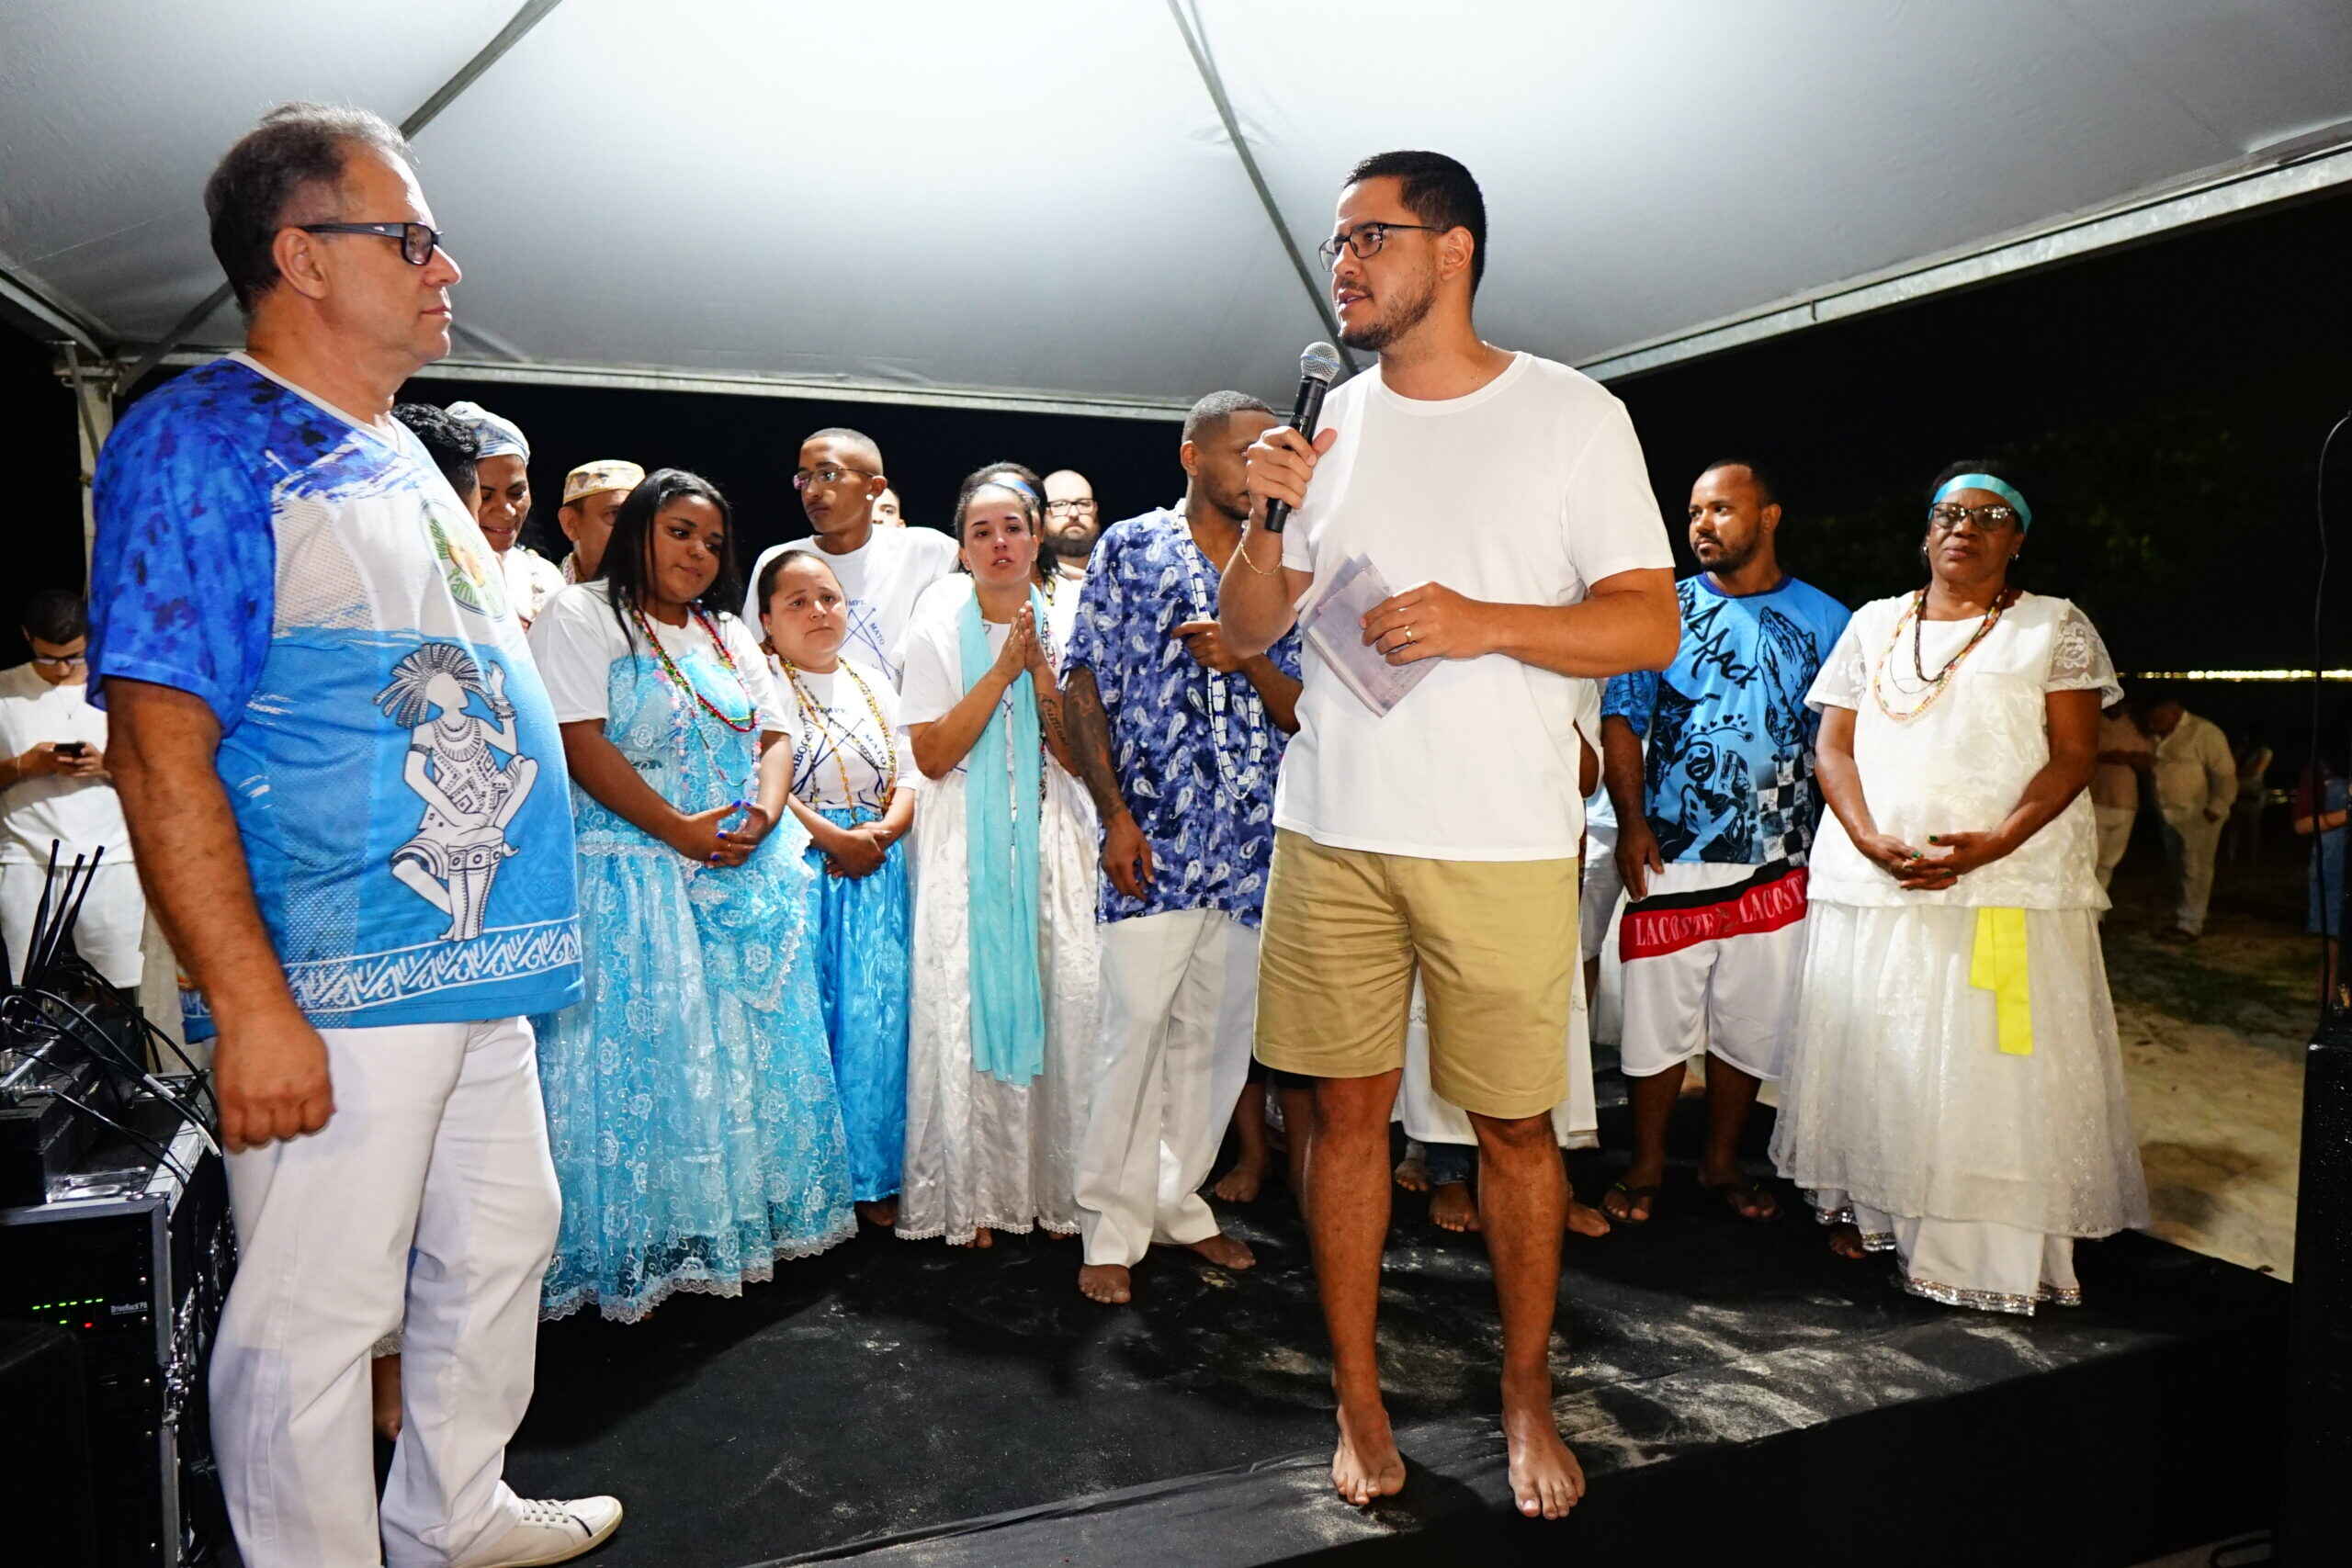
2213,1040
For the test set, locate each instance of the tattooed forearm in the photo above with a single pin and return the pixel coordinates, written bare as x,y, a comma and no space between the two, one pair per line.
1089,737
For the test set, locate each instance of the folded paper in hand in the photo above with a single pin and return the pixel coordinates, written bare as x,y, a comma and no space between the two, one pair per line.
1333,626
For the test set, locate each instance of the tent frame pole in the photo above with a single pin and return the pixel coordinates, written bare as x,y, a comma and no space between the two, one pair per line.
532,14
1188,25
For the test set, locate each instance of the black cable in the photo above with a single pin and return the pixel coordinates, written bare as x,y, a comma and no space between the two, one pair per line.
2311,779
186,1177
115,1055
79,967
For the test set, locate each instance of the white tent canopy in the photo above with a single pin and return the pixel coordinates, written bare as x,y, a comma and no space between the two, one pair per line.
1042,203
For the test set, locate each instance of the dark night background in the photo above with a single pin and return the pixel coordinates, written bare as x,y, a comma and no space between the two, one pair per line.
2166,404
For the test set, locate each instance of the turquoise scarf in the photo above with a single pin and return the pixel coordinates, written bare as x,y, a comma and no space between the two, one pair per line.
1001,855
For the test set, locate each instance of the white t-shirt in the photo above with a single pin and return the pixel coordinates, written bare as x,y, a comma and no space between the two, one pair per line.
81,814
933,681
575,641
1526,491
531,581
882,579
847,731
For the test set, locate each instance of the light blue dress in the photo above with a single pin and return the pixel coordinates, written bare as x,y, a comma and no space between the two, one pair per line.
691,1106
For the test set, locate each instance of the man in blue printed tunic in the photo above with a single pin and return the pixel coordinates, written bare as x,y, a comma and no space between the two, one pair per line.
1713,822
1179,742
346,791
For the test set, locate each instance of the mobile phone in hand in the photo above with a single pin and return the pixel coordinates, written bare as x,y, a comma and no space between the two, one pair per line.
73,751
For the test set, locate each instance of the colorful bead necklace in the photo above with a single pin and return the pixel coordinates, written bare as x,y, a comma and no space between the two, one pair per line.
1932,684
677,677
886,766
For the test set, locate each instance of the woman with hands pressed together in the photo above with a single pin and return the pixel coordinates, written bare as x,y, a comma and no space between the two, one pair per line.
691,1105
853,789
1956,1094
1005,979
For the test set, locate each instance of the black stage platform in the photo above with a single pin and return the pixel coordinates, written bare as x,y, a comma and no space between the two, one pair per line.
1729,1386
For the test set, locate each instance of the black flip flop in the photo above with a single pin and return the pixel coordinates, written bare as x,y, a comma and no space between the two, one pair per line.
1750,1194
1632,1195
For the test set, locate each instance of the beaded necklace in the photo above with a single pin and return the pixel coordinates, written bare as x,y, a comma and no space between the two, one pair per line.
884,766
1226,695
1933,685
677,677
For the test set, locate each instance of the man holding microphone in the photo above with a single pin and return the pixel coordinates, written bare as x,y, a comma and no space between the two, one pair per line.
1441,836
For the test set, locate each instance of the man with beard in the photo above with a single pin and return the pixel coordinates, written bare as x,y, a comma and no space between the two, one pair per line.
1073,522
1178,740
1439,838
1713,828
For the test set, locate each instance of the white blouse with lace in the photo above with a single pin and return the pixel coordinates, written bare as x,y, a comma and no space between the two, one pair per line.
1960,764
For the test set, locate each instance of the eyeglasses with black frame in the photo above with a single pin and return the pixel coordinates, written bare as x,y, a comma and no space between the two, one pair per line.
417,241
1365,239
1069,508
1946,516
828,473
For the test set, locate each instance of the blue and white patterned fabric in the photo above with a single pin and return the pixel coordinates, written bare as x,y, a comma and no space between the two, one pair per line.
1729,778
691,1107
1196,750
388,749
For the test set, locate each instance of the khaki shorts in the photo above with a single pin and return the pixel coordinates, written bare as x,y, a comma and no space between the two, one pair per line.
1495,942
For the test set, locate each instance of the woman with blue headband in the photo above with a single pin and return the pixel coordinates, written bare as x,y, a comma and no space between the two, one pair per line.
1956,1089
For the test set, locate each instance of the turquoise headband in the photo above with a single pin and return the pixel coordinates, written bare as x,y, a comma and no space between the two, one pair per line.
1986,482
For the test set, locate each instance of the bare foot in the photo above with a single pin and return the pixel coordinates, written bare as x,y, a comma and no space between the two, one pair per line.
1585,1220
1450,1208
1106,1283
1227,1252
1240,1184
384,1394
883,1212
1365,1463
1846,1241
1413,1171
982,1238
1545,1479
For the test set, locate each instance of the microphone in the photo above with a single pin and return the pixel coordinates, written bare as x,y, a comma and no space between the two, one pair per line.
1319,366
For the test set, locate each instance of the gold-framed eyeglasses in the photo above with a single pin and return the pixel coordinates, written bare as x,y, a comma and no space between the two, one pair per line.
1364,240
826,474
1946,516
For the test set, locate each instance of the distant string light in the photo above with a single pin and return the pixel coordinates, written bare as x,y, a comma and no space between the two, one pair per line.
2234,675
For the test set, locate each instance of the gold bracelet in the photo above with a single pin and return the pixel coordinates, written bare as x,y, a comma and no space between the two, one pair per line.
1241,551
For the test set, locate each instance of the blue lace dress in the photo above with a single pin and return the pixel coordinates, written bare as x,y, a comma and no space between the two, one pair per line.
691,1107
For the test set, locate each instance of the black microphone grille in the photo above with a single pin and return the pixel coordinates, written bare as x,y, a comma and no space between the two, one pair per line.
1319,362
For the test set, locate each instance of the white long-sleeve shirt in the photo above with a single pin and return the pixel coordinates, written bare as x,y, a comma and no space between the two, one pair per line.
2194,772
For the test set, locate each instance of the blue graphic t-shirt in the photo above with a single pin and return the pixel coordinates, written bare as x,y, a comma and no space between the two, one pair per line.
1729,774
389,752
1196,752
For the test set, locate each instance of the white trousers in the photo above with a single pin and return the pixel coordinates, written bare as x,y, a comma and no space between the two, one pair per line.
1180,1005
438,1141
106,933
2114,837
2190,844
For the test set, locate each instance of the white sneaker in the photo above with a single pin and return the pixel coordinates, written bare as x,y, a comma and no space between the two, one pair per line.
552,1531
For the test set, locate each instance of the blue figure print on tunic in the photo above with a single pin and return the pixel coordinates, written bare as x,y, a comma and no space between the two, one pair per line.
1728,777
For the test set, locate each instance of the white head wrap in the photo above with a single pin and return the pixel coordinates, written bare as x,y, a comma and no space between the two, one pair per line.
499,437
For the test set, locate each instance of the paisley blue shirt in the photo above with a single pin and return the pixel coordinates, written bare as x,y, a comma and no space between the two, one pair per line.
1196,752
388,749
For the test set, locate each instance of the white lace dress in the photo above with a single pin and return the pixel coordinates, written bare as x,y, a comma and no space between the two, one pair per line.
1900,1112
981,1152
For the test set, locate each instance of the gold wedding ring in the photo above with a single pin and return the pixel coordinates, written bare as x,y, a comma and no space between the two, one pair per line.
1409,634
